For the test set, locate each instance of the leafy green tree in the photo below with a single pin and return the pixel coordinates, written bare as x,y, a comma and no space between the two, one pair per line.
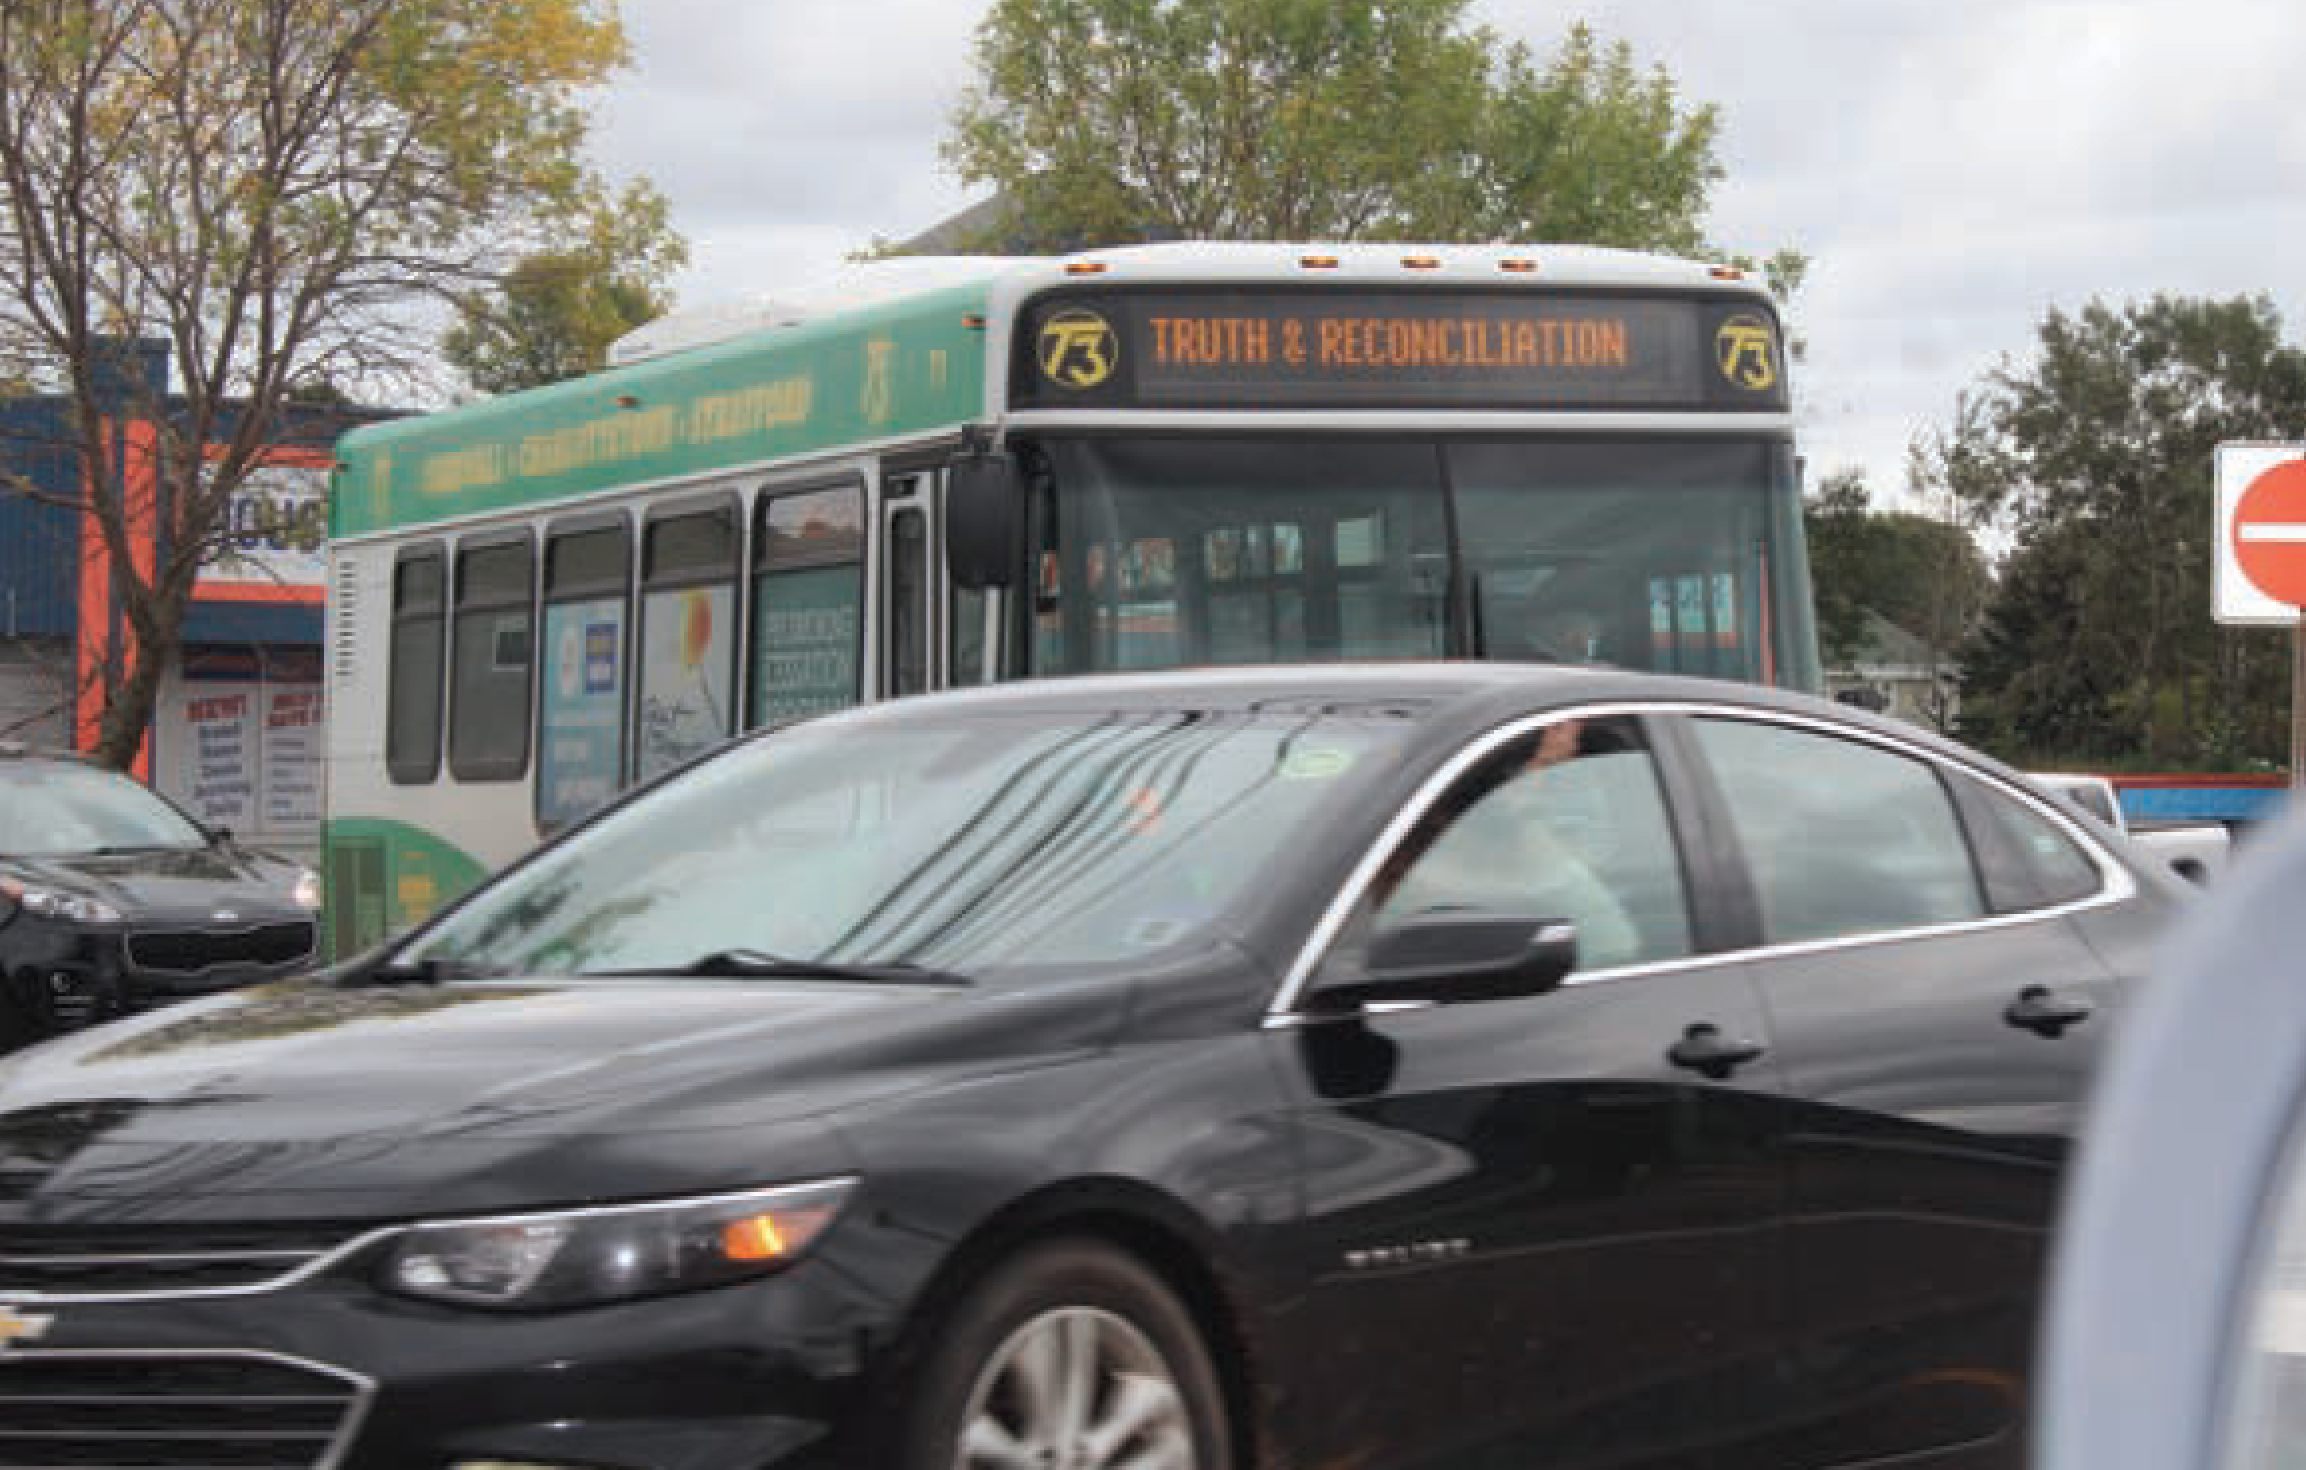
1920,573
1837,524
264,186
2035,675
555,313
2095,458
1110,121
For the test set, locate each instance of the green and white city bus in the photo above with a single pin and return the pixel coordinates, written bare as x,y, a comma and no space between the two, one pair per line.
942,472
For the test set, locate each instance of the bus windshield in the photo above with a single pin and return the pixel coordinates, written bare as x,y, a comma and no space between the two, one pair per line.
1676,555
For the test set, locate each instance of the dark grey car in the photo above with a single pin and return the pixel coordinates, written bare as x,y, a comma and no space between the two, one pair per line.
113,901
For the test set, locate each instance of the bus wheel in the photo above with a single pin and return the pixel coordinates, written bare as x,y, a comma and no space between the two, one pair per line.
1072,1356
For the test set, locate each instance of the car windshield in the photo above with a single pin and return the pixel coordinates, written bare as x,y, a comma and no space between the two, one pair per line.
958,845
63,809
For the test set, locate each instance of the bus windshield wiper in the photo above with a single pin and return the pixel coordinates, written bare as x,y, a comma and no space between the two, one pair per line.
746,964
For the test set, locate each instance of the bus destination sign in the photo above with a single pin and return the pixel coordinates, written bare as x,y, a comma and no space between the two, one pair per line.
1400,349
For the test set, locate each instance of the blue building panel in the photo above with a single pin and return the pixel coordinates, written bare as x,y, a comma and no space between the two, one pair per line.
2201,803
39,543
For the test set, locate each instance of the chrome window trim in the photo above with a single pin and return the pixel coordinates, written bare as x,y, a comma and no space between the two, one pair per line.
2116,884
326,1260
355,1416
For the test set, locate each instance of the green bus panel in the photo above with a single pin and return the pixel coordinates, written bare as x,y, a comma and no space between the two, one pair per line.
385,877
855,378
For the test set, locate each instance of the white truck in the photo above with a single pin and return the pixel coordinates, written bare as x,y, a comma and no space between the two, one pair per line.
2194,850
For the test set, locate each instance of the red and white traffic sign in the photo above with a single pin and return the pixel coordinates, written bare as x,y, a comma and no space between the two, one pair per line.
2261,571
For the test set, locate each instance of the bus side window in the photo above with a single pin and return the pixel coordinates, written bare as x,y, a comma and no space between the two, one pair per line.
808,603
492,654
688,645
581,698
412,708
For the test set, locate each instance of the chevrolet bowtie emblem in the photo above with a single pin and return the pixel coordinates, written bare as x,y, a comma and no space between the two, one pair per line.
16,1327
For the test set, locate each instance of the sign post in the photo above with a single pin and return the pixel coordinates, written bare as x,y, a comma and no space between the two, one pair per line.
2261,571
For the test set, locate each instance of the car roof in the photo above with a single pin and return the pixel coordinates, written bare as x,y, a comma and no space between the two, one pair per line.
1247,685
1464,684
1469,693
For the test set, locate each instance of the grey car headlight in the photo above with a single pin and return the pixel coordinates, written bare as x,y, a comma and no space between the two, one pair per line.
50,903
576,1258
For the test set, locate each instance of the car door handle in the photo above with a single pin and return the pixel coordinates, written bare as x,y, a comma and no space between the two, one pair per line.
1703,1048
2044,1012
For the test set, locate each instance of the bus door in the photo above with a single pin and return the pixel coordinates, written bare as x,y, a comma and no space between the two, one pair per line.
908,619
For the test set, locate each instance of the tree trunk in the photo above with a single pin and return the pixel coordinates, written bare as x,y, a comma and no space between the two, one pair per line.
128,705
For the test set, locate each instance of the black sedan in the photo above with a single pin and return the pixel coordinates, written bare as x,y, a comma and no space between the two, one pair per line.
113,901
1401,1067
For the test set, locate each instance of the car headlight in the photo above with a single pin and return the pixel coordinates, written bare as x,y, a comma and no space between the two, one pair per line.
575,1258
51,903
305,893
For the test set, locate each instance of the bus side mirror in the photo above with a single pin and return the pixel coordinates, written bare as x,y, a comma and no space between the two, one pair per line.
984,520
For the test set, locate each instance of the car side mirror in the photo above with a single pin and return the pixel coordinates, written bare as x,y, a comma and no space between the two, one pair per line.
984,519
1454,958
220,836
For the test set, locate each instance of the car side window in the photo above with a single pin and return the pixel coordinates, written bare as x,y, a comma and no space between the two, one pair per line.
1839,837
2030,861
1569,823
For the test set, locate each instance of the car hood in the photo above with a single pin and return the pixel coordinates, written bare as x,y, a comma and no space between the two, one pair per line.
188,883
307,1100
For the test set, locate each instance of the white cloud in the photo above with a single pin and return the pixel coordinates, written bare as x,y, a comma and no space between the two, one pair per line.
1955,168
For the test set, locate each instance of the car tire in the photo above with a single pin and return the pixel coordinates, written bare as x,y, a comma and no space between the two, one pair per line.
1070,1356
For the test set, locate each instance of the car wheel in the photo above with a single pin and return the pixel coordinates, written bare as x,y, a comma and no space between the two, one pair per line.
1072,1356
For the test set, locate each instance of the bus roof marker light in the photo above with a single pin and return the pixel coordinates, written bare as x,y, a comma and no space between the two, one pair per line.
1520,265
1727,273
1421,262
1085,267
973,322
627,400
1318,262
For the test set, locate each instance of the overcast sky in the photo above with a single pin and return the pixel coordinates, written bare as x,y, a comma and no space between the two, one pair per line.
1954,168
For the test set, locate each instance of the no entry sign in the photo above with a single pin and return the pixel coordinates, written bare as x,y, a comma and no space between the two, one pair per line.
2261,572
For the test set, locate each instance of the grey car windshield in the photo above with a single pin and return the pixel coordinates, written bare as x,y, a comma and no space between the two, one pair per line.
1678,555
58,809
961,845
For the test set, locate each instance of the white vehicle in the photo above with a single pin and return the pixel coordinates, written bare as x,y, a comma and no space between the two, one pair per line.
2194,850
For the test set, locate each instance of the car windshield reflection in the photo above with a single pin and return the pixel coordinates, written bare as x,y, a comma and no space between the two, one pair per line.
910,852
62,809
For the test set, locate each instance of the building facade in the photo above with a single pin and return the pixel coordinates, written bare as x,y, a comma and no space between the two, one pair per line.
236,737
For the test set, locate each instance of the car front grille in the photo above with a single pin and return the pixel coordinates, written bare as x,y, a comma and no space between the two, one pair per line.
204,1411
192,951
69,1261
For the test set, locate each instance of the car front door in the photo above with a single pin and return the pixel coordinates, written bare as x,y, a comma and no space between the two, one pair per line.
1937,1017
1542,1229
